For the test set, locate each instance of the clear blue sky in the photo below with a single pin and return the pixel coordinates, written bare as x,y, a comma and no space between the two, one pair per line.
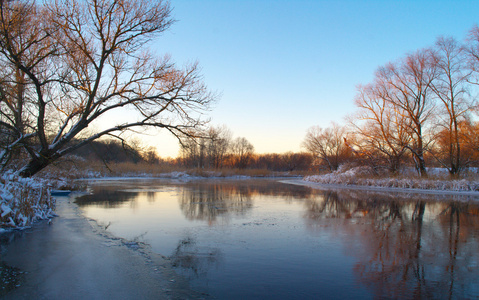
284,66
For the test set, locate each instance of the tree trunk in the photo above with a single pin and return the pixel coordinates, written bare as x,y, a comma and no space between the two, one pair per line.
37,164
394,163
422,166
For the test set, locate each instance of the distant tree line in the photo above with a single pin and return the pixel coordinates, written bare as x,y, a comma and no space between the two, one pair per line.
419,110
116,151
214,148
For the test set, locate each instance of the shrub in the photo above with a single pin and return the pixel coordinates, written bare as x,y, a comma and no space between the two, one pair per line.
23,201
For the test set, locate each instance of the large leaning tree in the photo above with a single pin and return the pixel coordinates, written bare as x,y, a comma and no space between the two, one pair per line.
69,65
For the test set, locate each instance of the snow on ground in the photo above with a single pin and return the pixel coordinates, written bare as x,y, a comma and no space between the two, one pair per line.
25,200
361,176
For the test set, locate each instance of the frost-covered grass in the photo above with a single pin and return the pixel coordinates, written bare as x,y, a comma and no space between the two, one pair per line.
362,176
24,201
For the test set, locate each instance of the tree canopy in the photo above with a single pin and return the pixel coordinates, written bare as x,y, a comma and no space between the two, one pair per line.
69,64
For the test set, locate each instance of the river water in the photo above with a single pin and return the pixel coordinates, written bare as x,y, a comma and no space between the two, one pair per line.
263,239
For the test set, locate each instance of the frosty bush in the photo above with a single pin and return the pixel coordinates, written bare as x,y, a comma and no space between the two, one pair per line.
23,201
344,175
363,176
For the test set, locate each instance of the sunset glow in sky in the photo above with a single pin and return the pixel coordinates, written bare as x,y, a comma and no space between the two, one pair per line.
284,66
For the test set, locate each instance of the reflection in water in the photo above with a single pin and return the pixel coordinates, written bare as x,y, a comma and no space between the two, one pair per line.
408,249
401,245
106,197
207,202
199,200
194,260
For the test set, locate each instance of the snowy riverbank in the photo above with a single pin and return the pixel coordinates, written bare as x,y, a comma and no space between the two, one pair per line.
24,201
360,178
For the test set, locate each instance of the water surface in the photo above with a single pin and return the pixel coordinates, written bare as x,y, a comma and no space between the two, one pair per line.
262,239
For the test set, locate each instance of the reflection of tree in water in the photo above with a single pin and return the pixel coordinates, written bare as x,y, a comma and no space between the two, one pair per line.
117,195
194,260
459,246
210,200
408,248
198,199
106,197
329,204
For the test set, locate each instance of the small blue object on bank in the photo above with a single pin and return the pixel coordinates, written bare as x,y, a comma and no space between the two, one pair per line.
60,192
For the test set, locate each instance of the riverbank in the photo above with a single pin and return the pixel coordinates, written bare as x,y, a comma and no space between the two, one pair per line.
363,177
328,186
70,257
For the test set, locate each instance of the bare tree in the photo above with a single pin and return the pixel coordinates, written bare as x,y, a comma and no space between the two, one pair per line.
327,144
407,85
472,51
242,151
381,129
150,155
25,45
192,151
469,136
218,142
205,148
451,89
91,62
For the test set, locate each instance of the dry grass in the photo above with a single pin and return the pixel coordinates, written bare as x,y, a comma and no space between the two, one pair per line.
23,201
131,169
74,168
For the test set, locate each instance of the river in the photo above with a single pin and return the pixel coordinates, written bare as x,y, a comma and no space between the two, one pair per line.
264,239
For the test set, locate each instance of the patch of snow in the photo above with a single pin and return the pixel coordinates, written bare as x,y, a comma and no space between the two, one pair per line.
5,210
175,175
359,176
24,200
